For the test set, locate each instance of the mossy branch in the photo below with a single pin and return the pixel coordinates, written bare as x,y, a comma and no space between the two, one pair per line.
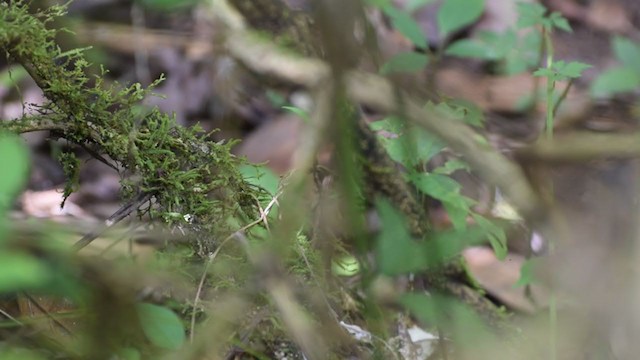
191,178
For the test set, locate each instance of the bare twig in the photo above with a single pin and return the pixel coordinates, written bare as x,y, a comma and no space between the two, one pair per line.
122,213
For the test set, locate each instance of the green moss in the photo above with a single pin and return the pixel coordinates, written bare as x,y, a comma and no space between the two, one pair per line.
194,180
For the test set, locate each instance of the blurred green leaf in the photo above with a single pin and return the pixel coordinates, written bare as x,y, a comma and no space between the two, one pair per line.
407,62
302,114
438,186
15,164
458,211
445,245
21,272
392,124
615,81
627,52
449,314
12,75
560,22
456,14
162,326
451,166
129,354
530,14
397,253
414,5
561,70
526,273
260,176
406,25
573,69
496,235
16,353
412,147
472,48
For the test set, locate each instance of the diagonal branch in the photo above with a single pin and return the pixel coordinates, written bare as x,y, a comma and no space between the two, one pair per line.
377,92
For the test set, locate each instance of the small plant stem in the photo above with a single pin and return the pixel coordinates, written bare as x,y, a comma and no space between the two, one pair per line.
551,107
550,83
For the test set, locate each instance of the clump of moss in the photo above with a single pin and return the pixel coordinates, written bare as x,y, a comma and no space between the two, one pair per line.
193,179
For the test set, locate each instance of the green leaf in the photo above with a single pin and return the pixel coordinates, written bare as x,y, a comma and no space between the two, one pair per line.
16,353
397,253
405,62
496,235
162,326
129,354
615,81
15,167
302,114
530,14
414,5
443,246
12,75
465,110
260,176
392,124
627,52
451,166
447,313
526,273
440,187
457,213
472,48
456,14
560,70
21,272
560,22
573,69
406,25
412,149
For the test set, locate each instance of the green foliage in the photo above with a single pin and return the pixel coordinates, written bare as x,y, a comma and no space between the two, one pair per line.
453,15
261,176
398,253
406,25
561,70
15,168
534,14
162,326
449,314
405,143
301,113
622,79
526,273
407,62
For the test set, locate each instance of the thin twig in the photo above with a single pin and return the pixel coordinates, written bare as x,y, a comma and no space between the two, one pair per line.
263,216
118,216
48,314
